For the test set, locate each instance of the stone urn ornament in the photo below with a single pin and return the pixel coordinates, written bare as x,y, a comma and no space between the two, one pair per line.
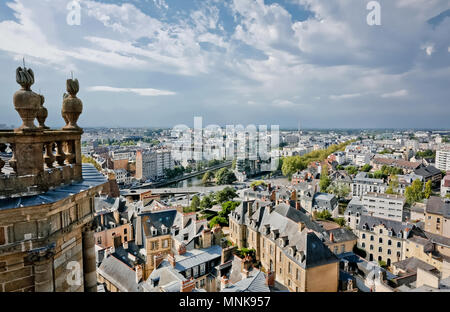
26,102
72,106
42,114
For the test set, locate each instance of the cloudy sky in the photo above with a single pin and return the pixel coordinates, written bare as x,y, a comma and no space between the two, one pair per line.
155,63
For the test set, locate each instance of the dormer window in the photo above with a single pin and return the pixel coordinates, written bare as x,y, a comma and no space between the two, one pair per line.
154,231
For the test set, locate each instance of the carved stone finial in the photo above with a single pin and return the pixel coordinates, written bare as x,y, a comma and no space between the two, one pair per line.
42,114
72,106
26,102
25,77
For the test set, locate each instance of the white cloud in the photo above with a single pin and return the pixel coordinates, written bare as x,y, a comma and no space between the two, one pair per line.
282,103
139,91
399,93
345,96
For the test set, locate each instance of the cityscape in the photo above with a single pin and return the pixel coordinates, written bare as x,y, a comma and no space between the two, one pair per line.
352,196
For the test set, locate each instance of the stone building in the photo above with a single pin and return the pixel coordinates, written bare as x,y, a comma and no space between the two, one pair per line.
46,199
383,239
290,246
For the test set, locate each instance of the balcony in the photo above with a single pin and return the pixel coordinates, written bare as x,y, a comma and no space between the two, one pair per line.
33,162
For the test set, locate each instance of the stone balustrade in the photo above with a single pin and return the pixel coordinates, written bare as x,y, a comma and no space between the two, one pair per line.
36,161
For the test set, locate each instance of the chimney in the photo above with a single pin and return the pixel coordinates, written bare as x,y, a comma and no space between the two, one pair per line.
171,259
331,237
125,245
270,279
301,226
297,205
116,217
224,283
182,249
187,285
206,238
139,274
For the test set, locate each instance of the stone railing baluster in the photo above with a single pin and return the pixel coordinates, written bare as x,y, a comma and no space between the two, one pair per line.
60,156
49,158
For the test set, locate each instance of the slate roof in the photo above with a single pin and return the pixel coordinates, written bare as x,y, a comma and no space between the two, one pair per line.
196,257
427,172
284,220
120,274
395,226
91,178
254,283
437,205
158,219
410,265
325,201
354,206
342,235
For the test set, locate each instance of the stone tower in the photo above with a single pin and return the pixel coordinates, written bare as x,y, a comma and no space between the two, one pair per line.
46,199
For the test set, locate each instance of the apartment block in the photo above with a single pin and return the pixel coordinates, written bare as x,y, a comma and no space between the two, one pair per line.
386,206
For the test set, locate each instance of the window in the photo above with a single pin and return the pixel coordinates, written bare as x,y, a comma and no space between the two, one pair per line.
202,283
297,275
371,237
363,245
381,231
202,269
380,240
195,271
399,244
165,243
363,236
389,242
380,249
389,252
371,247
188,273
125,231
289,267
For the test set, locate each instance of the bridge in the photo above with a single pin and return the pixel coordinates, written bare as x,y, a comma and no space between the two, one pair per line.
155,185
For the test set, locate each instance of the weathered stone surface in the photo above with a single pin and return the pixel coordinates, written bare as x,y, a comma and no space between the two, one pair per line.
16,274
19,284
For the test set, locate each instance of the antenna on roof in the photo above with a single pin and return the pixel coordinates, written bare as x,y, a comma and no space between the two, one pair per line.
23,59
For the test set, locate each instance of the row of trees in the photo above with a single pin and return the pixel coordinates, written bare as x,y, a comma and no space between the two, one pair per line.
90,160
292,164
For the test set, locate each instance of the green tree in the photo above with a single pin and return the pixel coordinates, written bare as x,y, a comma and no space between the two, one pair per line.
393,185
414,193
218,220
207,177
206,202
427,192
257,183
225,195
225,176
351,170
366,168
323,215
195,203
227,208
325,180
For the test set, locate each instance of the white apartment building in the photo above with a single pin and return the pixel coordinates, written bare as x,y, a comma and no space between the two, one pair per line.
445,186
151,164
122,176
443,159
362,185
386,206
